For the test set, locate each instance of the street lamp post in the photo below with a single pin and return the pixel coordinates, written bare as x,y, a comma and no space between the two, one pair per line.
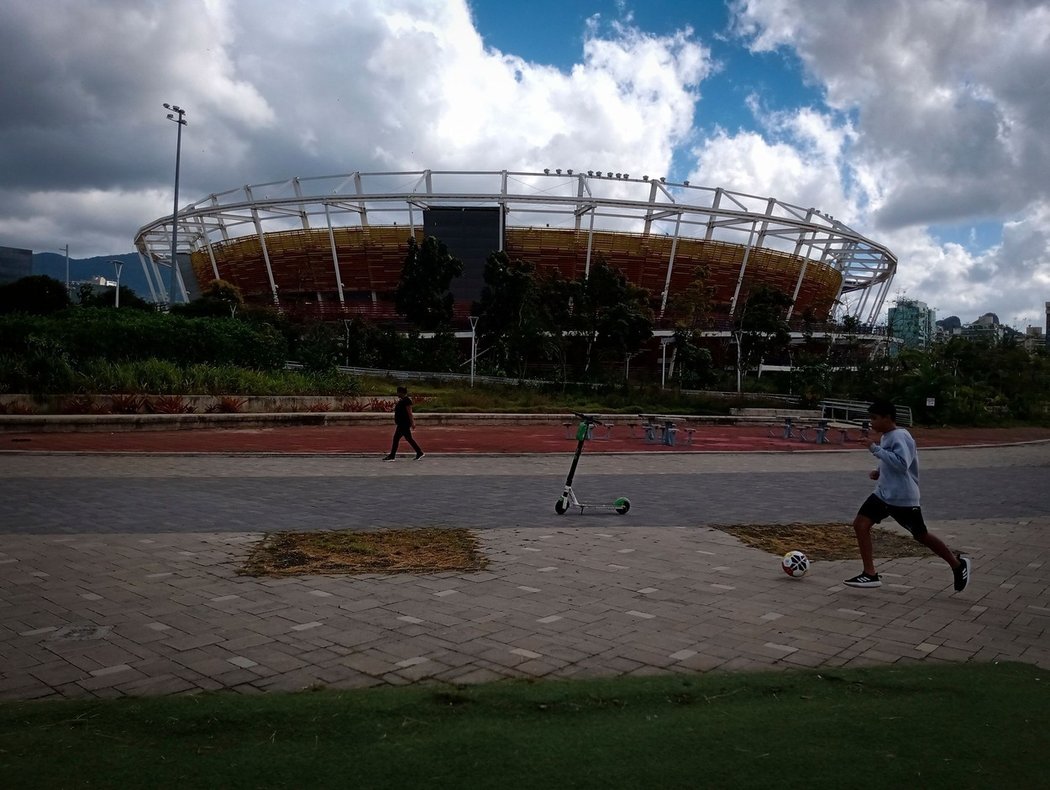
346,347
181,121
473,345
117,266
664,342
739,361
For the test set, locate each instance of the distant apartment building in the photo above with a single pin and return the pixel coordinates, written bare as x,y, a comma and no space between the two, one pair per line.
1034,339
985,329
15,264
913,323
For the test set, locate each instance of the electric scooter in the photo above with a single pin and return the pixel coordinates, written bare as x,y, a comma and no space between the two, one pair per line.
568,497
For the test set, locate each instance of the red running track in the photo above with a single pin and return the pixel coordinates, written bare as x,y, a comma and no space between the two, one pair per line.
487,438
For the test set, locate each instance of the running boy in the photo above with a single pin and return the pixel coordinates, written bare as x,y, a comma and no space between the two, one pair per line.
897,496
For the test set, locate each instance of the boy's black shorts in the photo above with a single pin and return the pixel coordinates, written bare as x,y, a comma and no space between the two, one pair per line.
908,517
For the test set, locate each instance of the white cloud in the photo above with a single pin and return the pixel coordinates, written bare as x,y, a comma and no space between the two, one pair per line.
800,158
935,115
274,89
951,98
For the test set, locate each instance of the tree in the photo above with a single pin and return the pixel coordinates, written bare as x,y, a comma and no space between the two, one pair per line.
89,295
612,314
36,295
850,324
218,298
691,362
319,348
811,380
422,294
511,324
691,311
691,307
555,301
225,293
761,327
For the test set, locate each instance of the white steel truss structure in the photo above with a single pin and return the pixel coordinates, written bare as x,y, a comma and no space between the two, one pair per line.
585,201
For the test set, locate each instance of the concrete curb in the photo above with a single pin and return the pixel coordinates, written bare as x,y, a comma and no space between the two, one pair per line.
71,423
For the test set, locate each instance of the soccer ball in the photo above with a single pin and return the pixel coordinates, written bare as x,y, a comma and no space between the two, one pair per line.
795,563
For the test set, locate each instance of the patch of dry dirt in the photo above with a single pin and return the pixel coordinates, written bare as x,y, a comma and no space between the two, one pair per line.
424,550
822,541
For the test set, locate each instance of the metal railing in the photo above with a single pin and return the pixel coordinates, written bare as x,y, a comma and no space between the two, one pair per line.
857,411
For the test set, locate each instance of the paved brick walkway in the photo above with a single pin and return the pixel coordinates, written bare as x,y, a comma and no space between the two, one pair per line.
88,610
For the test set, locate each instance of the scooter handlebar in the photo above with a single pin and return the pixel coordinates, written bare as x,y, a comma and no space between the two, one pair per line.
590,419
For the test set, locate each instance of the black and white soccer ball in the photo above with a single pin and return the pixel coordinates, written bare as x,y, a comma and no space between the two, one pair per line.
795,564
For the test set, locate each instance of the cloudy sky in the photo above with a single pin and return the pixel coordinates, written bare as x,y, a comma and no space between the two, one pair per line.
921,123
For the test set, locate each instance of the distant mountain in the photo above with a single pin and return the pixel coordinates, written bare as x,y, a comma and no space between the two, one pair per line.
950,323
131,275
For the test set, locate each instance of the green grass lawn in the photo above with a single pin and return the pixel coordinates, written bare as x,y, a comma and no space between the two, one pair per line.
916,726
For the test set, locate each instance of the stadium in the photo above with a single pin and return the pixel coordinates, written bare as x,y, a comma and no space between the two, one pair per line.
331,247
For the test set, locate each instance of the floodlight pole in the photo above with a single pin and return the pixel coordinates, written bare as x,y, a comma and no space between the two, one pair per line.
181,121
473,345
664,342
117,266
346,347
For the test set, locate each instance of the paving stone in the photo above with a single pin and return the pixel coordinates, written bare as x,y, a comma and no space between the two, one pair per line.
192,641
512,605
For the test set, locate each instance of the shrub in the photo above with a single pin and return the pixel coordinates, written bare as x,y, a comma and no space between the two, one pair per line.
319,348
168,404
46,367
227,405
80,404
158,375
126,404
88,333
17,407
37,294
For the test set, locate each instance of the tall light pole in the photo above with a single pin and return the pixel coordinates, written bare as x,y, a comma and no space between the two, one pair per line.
181,121
117,266
473,344
664,342
346,326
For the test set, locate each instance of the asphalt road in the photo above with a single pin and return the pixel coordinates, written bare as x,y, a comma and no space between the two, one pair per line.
129,494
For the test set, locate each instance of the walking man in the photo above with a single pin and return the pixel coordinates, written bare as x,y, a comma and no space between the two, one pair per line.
897,496
404,422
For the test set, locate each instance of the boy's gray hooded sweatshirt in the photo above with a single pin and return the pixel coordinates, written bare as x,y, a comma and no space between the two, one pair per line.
898,483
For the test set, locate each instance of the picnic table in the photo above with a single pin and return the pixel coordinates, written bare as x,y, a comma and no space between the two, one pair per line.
817,431
663,428
604,429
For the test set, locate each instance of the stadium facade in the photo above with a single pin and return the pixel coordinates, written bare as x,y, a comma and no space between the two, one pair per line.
333,246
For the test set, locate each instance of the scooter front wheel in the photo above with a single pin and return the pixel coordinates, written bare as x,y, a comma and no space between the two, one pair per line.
622,505
560,507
